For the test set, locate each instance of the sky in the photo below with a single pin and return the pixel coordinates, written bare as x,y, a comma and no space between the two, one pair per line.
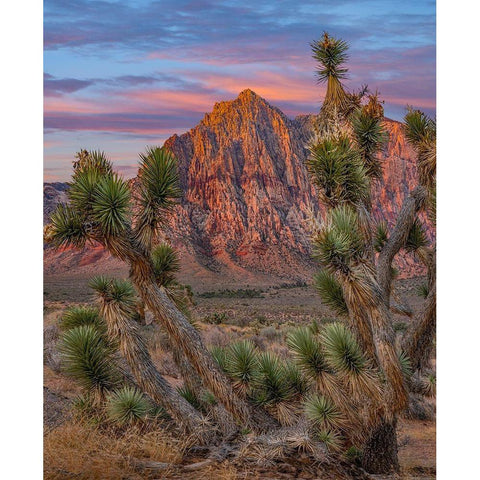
121,75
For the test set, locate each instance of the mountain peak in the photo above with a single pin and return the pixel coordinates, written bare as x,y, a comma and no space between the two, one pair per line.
248,94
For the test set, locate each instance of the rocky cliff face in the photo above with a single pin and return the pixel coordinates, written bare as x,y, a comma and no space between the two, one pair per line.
248,198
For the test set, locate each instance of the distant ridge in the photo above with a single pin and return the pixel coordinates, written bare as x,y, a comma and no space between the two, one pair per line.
244,215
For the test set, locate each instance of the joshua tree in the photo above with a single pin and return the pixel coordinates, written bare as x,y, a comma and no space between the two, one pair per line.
354,280
103,209
117,306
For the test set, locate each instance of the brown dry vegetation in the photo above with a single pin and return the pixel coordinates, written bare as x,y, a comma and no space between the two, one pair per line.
86,451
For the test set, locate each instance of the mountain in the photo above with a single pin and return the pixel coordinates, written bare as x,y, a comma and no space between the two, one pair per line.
247,204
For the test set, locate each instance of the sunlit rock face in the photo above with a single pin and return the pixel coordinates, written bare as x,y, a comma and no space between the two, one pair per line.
248,201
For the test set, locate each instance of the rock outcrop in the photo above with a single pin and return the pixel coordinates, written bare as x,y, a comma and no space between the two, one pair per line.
247,196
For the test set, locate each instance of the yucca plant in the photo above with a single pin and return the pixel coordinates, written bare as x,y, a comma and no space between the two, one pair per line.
270,382
307,352
331,292
89,360
118,302
81,315
331,438
336,168
241,364
345,356
126,219
380,236
190,396
322,413
362,361
127,406
166,263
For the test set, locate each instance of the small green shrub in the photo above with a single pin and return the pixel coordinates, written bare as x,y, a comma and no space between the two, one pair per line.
127,405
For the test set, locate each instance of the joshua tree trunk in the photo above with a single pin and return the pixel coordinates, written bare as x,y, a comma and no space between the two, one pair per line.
184,336
397,239
418,341
132,347
380,454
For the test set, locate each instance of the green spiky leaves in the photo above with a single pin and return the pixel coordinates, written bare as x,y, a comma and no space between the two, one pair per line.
307,351
330,292
370,136
66,228
381,236
241,362
158,191
340,241
115,291
82,315
417,238
270,382
421,133
337,170
165,263
158,177
88,359
99,204
91,161
331,54
111,202
342,351
322,412
127,405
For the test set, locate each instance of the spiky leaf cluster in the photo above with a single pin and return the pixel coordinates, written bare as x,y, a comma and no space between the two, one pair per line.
340,243
66,228
336,168
370,136
166,263
88,359
114,290
127,405
331,54
417,237
93,160
421,132
330,292
81,315
307,352
270,383
190,396
405,364
322,412
381,236
241,362
158,191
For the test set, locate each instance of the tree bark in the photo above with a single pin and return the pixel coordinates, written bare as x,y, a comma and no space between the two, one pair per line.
146,375
397,239
380,454
187,339
418,340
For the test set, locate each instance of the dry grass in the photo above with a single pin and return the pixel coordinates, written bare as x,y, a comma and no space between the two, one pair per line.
77,450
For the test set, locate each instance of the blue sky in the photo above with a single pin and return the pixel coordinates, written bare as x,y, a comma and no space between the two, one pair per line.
122,75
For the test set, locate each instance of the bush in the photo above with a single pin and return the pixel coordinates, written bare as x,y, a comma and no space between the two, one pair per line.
127,405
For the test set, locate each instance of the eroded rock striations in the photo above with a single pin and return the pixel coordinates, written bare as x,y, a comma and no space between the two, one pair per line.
248,200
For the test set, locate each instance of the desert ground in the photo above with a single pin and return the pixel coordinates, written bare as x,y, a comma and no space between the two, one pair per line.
261,313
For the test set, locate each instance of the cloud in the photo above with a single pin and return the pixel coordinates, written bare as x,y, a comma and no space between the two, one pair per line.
150,68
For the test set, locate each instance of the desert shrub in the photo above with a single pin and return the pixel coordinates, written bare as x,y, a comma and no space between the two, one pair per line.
87,359
270,333
127,405
216,318
81,315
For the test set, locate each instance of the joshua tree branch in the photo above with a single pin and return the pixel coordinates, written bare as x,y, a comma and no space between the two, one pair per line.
417,343
397,239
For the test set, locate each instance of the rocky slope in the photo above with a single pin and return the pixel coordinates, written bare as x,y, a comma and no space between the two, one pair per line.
248,200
